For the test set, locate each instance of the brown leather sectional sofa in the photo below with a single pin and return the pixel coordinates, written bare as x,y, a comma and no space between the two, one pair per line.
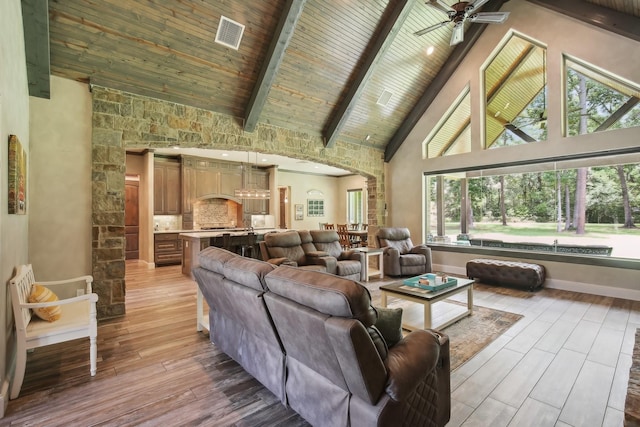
311,338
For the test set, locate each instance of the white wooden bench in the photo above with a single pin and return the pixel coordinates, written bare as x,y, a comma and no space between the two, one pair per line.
78,319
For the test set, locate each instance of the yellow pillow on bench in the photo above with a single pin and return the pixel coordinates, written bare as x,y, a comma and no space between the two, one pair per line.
39,294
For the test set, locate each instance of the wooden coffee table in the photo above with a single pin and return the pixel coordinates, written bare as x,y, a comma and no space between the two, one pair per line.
426,298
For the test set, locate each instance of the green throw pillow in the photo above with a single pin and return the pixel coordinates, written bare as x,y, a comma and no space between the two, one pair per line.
389,324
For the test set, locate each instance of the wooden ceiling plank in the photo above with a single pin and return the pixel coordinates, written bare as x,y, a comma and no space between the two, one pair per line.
271,65
380,45
509,73
620,23
35,21
449,67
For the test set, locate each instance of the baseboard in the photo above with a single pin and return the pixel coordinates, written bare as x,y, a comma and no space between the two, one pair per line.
4,397
565,285
590,288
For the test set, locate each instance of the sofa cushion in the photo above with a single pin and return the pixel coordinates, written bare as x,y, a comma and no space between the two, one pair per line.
395,237
286,245
327,241
412,260
326,293
349,267
213,258
248,272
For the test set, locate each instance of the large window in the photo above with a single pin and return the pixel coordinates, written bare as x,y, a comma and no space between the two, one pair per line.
550,207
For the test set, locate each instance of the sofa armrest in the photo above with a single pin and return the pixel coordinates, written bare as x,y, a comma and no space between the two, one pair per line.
329,262
424,250
282,261
410,361
316,254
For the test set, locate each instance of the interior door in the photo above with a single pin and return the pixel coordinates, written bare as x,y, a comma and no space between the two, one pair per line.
131,219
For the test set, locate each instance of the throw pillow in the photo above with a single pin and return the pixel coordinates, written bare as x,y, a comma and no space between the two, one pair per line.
389,324
39,294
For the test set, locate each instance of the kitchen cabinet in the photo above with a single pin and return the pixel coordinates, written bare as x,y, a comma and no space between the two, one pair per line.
204,177
167,249
166,188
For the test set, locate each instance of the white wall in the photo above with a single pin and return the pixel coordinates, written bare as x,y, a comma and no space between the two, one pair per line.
562,35
60,216
300,184
14,120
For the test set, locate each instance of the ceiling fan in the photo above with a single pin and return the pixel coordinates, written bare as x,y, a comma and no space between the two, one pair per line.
459,13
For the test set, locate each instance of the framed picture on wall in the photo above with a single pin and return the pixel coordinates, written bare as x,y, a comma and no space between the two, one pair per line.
17,177
299,211
315,207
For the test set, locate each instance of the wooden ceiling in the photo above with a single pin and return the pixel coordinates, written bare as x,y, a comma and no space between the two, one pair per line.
316,66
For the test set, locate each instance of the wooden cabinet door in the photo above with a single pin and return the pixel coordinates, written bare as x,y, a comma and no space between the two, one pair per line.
159,172
206,182
229,182
188,189
173,202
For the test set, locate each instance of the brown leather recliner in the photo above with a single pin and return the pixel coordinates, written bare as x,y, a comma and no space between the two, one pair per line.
340,371
401,256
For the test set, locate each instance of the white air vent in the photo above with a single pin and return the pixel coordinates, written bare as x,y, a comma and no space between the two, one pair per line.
384,98
229,33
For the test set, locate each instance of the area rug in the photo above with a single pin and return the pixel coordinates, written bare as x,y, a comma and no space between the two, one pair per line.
470,334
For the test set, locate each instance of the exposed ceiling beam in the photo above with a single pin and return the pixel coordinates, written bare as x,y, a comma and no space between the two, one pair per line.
617,115
449,67
35,20
271,64
381,43
620,23
519,132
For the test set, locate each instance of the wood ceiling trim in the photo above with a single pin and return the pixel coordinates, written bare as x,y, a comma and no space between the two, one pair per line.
382,42
620,23
271,65
449,67
35,20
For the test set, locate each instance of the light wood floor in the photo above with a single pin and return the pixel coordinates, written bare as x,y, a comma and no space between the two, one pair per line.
565,363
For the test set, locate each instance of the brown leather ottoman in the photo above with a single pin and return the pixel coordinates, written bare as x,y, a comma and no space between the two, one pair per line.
508,273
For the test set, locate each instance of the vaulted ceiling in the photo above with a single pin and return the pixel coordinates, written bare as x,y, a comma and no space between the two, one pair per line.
316,66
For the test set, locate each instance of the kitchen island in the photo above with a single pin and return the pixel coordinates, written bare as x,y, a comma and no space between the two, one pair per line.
195,241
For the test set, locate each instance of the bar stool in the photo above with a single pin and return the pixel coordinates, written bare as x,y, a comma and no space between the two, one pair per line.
248,244
226,241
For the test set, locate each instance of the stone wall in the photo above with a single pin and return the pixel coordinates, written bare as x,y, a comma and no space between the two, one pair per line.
122,120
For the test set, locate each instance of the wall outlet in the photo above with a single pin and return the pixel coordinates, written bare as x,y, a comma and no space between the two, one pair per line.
79,292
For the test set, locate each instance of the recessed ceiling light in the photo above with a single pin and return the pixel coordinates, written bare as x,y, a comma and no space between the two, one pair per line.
368,137
225,154
430,50
175,147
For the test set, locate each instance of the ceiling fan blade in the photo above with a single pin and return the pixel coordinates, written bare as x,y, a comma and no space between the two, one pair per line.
458,34
489,17
476,4
431,28
440,5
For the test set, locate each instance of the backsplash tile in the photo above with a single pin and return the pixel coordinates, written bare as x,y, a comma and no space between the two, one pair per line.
215,213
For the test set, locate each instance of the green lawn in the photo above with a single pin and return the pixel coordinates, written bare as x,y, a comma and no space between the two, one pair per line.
547,229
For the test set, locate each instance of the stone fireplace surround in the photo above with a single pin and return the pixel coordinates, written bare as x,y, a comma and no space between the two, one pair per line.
121,120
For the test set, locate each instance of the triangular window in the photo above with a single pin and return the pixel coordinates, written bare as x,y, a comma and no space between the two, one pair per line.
598,101
453,134
516,94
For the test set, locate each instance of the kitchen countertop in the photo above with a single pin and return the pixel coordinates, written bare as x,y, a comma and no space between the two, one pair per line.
221,230
234,232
